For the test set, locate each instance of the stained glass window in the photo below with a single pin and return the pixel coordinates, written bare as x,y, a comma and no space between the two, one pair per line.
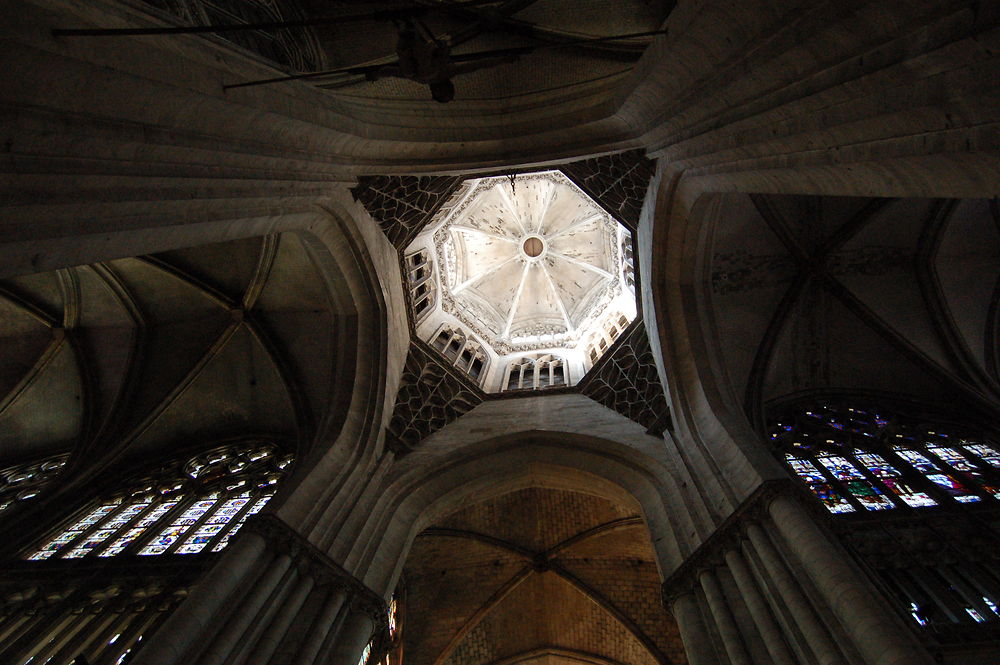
950,483
854,456
392,613
184,508
988,455
892,479
365,654
819,485
25,481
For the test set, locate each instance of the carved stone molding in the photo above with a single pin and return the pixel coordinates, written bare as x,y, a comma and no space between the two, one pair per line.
618,182
312,561
402,205
625,380
431,395
728,536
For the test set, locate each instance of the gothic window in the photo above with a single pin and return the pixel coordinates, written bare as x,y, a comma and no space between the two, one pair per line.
628,261
420,278
186,507
536,372
365,654
937,555
25,481
391,649
606,336
860,460
464,353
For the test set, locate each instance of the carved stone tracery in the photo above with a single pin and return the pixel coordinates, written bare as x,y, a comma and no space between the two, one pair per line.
431,395
618,182
626,380
402,205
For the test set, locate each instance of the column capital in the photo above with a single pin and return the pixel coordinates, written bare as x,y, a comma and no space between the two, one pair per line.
711,553
281,537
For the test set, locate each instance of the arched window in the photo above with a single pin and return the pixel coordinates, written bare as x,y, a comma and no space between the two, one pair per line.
25,481
187,507
601,340
388,644
420,278
464,353
536,372
628,261
862,459
915,502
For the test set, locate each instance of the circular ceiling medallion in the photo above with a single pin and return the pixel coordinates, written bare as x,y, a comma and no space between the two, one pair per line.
533,246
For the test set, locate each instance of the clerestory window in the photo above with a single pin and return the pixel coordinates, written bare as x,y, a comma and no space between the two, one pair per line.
861,459
187,507
916,502
536,372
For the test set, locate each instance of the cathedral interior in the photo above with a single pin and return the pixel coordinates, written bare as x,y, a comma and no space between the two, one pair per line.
673,338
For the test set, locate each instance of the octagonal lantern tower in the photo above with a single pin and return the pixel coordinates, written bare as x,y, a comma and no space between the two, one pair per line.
522,284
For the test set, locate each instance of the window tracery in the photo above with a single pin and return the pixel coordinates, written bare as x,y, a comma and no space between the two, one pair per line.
181,509
24,481
536,372
606,336
858,459
937,556
423,287
464,352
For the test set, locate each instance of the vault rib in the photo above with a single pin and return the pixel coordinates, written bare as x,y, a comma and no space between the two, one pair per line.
517,300
583,264
472,280
559,301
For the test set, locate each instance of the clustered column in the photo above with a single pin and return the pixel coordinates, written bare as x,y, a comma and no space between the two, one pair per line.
275,599
772,587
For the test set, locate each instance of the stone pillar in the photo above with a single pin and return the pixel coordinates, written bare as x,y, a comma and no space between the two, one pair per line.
817,637
697,642
879,636
357,631
274,598
830,615
729,630
759,611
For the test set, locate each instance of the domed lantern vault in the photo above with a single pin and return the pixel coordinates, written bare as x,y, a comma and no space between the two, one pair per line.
522,283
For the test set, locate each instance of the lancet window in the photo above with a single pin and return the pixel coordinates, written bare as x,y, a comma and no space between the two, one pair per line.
628,261
536,372
604,338
420,277
187,507
463,352
861,459
940,484
25,481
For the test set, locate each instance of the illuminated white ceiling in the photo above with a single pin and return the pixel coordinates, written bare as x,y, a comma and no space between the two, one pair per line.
527,266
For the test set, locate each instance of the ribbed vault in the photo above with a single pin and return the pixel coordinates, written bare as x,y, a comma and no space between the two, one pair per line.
138,358
861,296
542,575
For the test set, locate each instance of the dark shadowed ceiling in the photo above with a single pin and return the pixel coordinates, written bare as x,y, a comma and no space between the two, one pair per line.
143,356
539,576
507,23
880,296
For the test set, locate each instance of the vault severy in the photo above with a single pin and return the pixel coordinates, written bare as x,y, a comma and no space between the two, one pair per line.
526,267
